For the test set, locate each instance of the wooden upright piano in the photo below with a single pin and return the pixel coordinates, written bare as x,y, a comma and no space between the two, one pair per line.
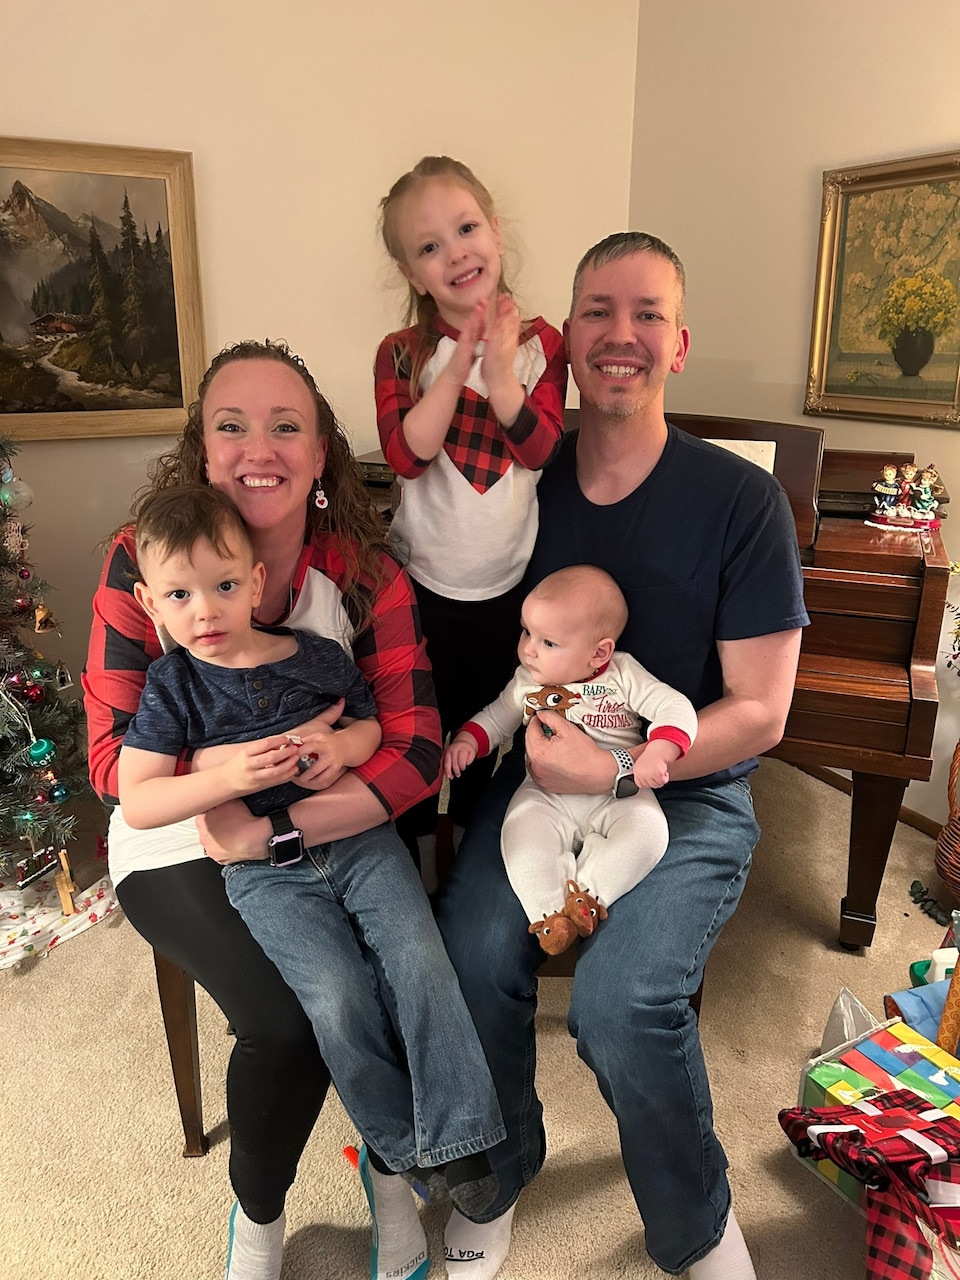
866,692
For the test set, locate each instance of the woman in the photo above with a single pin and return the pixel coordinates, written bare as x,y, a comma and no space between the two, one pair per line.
262,433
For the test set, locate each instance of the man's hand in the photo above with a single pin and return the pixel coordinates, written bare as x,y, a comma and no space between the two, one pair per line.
566,762
230,833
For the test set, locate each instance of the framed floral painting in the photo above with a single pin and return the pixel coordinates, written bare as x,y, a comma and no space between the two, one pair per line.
886,317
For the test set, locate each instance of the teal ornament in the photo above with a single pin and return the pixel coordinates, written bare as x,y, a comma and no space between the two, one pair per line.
41,751
59,792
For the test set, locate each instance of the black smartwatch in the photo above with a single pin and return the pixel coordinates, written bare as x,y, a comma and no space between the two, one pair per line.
623,784
286,843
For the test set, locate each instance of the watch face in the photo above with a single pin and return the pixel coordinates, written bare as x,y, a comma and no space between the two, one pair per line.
286,849
626,787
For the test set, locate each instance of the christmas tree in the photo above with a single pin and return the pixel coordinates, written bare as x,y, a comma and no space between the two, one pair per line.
42,739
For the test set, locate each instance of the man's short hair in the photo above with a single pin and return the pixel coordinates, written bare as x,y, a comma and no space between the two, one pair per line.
172,521
623,244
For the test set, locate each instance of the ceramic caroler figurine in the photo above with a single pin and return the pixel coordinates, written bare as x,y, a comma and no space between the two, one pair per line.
906,497
886,491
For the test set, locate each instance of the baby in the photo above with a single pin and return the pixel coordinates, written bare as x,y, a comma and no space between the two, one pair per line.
555,847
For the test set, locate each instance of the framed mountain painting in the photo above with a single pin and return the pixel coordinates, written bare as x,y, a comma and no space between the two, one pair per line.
101,328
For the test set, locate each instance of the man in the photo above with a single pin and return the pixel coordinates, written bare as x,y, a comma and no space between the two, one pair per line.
704,548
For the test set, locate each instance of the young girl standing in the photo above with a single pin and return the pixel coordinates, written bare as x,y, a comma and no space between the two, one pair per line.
469,409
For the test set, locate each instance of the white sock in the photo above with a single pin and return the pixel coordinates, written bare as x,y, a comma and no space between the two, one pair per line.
729,1259
477,1250
399,1245
427,852
254,1250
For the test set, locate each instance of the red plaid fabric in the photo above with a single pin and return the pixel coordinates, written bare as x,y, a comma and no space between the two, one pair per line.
479,447
893,1168
390,653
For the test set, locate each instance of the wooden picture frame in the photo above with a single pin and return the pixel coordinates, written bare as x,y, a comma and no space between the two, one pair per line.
885,343
101,325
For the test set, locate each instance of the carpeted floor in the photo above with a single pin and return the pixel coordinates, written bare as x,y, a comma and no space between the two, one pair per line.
93,1184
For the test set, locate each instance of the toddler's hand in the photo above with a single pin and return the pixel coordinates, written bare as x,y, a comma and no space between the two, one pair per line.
254,766
652,766
460,753
465,352
319,760
502,338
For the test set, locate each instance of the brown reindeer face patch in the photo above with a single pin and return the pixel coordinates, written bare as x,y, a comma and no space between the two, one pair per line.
552,697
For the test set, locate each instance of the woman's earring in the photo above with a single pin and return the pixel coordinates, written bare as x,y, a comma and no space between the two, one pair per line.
320,499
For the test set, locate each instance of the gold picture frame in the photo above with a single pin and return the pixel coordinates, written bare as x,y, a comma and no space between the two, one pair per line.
886,319
101,324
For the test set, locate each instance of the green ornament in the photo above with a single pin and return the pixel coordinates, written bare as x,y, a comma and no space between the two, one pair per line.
41,751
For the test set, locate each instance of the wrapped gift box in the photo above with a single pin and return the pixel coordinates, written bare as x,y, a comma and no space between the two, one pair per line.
891,1056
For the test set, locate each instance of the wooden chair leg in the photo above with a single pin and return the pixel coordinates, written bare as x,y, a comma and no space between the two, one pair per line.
178,1003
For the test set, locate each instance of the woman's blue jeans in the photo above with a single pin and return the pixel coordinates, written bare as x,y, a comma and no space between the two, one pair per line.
630,1010
351,931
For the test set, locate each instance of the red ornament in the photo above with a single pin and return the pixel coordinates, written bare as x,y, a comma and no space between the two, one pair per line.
22,604
35,693
24,573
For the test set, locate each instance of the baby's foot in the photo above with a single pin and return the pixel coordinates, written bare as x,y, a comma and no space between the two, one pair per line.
556,933
583,909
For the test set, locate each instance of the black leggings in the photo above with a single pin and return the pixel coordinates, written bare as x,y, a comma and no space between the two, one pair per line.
472,647
276,1080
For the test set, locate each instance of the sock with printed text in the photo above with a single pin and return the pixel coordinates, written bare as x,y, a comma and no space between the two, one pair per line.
399,1248
476,1250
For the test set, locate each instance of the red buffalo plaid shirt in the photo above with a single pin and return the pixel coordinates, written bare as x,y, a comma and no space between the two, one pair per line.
480,448
390,653
467,520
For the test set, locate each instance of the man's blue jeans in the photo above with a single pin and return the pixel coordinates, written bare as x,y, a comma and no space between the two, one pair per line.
630,1010
351,931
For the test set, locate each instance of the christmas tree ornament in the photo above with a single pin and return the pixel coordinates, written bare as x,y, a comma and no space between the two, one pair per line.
13,540
45,620
15,495
38,728
41,751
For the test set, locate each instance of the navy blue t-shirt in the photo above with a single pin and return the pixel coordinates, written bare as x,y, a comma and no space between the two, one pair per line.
188,703
705,549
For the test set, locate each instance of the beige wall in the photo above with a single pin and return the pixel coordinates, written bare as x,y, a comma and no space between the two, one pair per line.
300,115
738,112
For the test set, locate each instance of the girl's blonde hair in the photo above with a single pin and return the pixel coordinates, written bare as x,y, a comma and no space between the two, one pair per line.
421,310
351,518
